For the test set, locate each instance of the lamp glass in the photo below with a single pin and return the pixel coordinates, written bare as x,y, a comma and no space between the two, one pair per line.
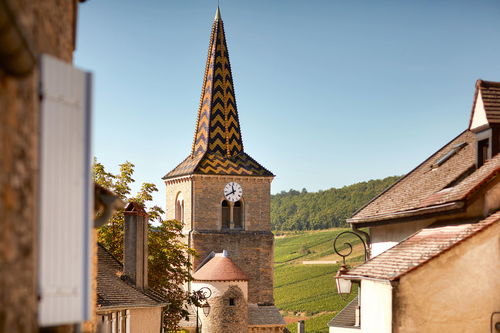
206,309
343,285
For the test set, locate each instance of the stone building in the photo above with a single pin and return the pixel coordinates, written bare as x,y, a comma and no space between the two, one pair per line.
434,239
125,303
27,30
221,193
228,299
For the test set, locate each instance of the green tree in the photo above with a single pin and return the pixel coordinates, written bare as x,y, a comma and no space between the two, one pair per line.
168,258
294,210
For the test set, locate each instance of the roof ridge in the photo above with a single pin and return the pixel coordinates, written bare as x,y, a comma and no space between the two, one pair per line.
406,175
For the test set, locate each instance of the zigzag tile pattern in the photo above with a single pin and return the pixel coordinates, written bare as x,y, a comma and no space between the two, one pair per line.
218,146
218,127
216,164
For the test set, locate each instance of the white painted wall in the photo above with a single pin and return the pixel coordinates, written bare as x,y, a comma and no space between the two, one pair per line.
344,330
376,307
479,115
385,237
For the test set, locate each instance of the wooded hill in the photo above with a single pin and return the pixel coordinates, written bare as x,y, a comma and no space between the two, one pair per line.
301,210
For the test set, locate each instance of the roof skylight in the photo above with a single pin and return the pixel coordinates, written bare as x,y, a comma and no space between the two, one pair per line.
455,149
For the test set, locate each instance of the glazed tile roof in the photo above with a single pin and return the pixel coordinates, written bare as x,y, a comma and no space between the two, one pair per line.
420,187
113,290
419,248
216,164
264,315
490,93
346,317
219,268
218,145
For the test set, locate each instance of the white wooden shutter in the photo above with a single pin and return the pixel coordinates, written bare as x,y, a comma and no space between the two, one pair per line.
66,195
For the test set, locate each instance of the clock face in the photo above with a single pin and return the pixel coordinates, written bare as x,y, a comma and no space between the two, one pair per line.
233,191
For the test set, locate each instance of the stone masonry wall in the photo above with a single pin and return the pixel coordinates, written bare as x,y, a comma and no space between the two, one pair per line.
251,251
48,28
224,317
208,196
174,187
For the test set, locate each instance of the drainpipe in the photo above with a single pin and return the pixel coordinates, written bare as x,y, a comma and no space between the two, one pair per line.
16,58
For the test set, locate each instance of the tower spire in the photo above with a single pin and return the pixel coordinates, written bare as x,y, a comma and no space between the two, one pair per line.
217,13
217,146
218,127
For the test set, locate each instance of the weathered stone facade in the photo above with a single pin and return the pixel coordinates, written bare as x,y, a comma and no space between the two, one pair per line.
251,251
48,27
228,313
251,248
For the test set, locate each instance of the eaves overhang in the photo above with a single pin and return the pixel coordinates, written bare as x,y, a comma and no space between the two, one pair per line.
407,215
102,309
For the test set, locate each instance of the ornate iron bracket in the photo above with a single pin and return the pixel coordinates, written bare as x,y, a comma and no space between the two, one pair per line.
348,245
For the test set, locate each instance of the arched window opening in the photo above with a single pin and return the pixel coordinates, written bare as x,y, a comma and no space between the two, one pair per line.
226,215
182,211
179,207
238,215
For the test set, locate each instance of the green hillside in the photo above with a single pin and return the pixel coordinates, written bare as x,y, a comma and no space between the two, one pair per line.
307,291
294,210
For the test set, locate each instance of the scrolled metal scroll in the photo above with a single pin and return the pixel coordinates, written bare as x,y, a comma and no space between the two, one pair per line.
348,245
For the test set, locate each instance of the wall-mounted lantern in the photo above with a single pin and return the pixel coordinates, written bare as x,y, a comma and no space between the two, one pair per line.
344,285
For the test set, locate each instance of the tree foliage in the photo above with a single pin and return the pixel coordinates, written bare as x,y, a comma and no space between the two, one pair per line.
168,258
294,210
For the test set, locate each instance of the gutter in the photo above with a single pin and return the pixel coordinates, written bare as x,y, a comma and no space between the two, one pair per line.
102,309
16,57
361,277
402,216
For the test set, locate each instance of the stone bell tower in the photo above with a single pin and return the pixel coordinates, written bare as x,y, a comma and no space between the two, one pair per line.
221,193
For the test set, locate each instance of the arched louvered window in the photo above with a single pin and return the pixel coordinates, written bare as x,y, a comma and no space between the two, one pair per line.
226,215
238,214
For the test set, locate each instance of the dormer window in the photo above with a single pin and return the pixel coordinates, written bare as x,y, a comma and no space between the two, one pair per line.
483,146
482,152
484,120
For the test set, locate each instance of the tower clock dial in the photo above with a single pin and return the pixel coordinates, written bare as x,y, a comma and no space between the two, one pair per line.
233,191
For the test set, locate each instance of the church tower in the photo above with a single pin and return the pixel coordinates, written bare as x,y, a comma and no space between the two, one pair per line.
221,193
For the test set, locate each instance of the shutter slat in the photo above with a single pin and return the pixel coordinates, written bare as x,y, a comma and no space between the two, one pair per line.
65,194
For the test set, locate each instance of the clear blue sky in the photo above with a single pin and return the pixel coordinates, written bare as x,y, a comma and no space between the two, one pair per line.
329,92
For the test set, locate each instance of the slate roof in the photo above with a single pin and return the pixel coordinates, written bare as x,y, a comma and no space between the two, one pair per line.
419,249
220,268
264,315
490,92
419,188
346,317
218,145
114,290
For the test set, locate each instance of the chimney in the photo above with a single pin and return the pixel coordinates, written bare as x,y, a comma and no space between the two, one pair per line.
136,245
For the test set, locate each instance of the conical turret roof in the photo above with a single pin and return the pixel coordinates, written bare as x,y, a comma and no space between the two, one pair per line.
220,268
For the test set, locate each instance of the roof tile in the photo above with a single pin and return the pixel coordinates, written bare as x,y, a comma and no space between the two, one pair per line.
421,186
113,291
419,248
219,268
